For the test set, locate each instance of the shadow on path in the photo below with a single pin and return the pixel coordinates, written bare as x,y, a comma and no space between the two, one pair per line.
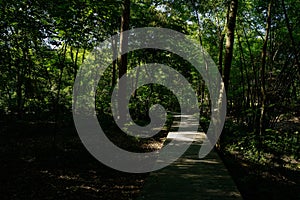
190,177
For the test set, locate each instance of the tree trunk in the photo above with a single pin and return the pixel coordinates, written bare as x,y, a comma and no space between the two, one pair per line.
247,98
20,94
122,63
114,49
242,63
262,76
290,33
124,37
62,60
229,41
201,81
221,45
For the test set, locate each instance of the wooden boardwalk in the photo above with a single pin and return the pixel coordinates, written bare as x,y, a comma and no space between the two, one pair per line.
190,177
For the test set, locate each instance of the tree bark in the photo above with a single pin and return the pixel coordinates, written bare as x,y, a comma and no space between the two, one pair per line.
114,49
242,63
229,41
221,45
124,37
247,100
262,76
122,62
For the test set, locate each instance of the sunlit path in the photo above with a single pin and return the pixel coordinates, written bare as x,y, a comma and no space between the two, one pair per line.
190,177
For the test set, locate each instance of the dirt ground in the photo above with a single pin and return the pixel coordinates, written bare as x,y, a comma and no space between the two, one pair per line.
31,168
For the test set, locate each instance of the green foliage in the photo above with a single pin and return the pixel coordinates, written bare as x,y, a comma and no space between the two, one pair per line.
279,148
44,43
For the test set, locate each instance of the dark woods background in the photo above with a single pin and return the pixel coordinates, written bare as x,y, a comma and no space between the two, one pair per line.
255,45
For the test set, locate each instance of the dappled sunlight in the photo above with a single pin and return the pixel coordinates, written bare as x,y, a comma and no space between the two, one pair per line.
189,177
186,136
74,188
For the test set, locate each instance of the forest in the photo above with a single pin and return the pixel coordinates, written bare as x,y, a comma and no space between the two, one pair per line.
254,44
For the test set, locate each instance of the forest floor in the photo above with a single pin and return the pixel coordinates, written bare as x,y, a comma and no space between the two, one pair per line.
31,168
275,178
259,182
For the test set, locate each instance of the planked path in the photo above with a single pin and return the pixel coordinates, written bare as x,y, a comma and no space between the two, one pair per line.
189,177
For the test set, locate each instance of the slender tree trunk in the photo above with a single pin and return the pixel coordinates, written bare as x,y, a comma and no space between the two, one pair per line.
246,73
229,41
254,89
201,81
20,93
123,59
83,55
262,75
287,21
295,51
19,75
124,37
137,79
221,45
75,63
242,63
75,73
114,67
56,109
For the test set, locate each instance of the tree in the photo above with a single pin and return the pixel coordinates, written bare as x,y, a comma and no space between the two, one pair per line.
262,75
124,37
123,58
232,10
